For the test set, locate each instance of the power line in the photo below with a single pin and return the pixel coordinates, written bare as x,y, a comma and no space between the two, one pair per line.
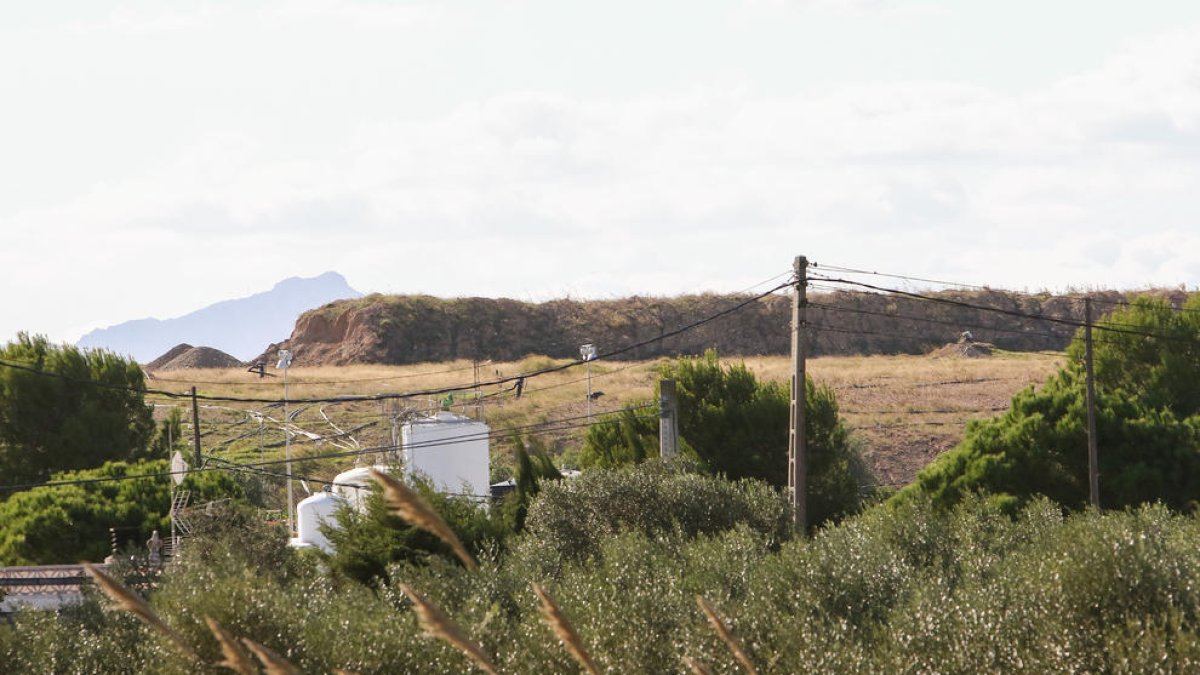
768,280
88,481
534,430
426,392
1109,327
909,317
851,270
545,427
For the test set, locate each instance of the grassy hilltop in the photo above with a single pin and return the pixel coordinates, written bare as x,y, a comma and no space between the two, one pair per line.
402,329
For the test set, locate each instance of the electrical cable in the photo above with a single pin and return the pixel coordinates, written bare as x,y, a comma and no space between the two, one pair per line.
909,317
425,392
1010,312
504,433
851,270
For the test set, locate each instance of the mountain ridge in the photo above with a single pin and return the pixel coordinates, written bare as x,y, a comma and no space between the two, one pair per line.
238,326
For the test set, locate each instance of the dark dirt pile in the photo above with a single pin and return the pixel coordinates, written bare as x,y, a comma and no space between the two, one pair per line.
186,356
172,354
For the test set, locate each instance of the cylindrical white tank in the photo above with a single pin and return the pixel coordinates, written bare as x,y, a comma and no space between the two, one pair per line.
449,450
345,482
310,514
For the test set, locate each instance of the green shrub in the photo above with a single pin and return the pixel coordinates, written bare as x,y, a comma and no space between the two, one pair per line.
70,523
365,544
737,427
1147,367
571,518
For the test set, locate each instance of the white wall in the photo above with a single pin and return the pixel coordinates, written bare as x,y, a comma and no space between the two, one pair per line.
449,450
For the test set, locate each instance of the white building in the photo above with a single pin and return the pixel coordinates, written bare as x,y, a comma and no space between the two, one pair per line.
450,451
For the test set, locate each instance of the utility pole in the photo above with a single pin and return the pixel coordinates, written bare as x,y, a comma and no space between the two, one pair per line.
588,352
196,428
285,362
797,447
1093,451
478,398
668,419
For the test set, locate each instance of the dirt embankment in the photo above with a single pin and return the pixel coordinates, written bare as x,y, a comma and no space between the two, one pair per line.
400,329
337,334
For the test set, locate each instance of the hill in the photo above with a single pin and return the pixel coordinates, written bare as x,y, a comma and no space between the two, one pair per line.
400,329
239,327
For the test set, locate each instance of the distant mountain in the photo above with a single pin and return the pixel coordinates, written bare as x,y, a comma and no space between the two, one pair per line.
240,327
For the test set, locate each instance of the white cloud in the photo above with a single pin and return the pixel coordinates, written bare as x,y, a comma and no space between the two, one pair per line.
1090,181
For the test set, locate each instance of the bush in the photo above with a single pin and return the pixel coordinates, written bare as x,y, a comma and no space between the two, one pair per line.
365,544
737,426
571,518
908,587
1147,420
70,523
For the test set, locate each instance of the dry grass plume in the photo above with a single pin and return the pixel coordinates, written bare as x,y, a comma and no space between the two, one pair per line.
274,663
406,503
722,630
236,658
557,621
127,601
435,623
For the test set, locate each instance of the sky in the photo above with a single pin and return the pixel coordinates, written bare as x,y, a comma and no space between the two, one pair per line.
156,157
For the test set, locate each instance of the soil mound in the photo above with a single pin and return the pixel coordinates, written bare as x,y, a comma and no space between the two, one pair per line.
172,354
187,356
968,350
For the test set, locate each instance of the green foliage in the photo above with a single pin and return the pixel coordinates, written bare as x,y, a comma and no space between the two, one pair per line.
54,419
365,544
906,588
170,436
1147,420
571,518
738,427
628,438
70,523
1152,355
533,466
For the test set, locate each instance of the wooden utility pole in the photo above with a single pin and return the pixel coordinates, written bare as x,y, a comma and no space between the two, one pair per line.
797,450
1093,452
668,419
196,428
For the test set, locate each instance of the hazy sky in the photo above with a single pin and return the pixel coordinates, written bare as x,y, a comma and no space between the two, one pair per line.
156,157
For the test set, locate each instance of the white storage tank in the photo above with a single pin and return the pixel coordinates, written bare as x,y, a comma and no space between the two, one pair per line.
311,513
450,451
355,485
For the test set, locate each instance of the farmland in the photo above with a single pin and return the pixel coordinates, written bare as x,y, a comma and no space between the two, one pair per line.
903,410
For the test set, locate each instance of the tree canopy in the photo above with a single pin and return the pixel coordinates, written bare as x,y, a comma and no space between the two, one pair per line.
69,523
1147,369
738,426
63,408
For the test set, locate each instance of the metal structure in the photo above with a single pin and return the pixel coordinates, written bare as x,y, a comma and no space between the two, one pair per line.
587,352
285,362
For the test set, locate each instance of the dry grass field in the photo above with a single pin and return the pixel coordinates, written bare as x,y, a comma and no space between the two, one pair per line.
904,410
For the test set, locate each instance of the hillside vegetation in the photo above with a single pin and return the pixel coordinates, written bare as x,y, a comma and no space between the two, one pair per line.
399,329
